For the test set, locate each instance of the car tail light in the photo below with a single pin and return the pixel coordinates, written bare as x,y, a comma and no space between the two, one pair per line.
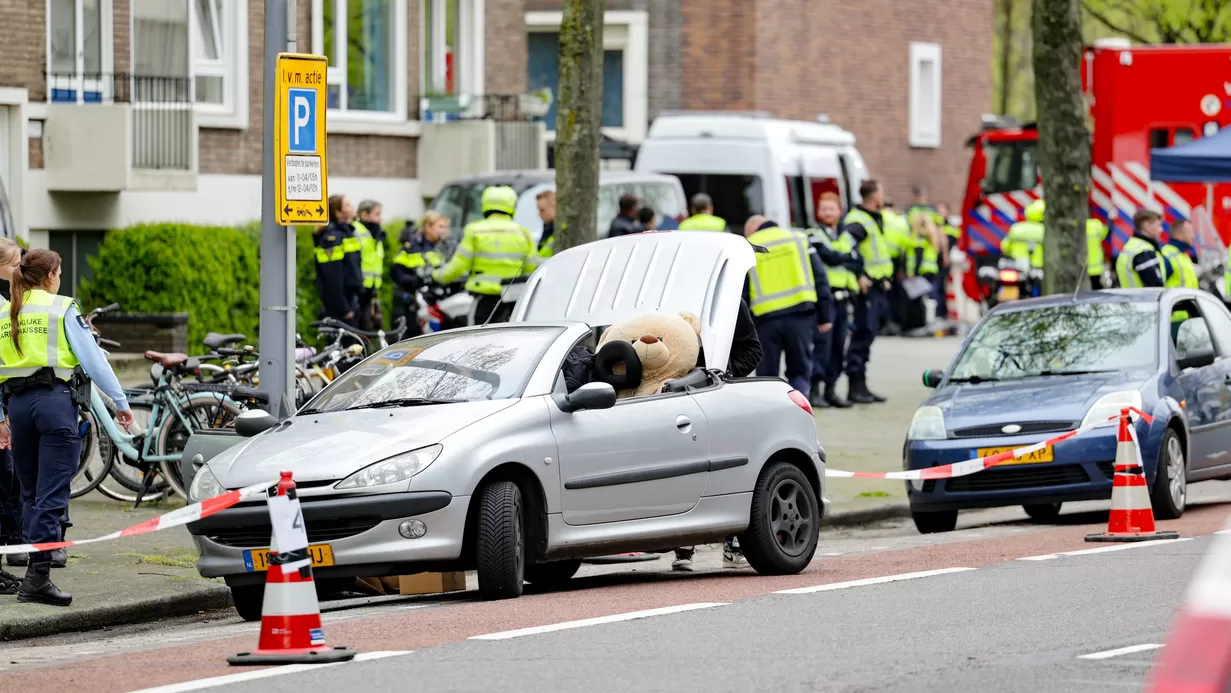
798,398
1008,276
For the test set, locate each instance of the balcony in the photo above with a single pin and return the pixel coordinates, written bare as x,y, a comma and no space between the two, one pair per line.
470,134
110,133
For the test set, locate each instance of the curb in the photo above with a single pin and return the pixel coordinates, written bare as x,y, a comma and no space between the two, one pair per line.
106,615
866,516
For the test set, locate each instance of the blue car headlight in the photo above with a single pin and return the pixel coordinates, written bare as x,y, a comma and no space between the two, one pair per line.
928,424
1110,405
392,470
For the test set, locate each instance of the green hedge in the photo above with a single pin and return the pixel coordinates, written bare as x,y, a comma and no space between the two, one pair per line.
212,273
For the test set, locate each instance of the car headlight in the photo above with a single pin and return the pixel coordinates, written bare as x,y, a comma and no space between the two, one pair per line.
205,485
928,424
392,470
1110,405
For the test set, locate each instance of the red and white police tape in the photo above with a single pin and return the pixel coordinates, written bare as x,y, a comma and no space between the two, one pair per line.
978,464
175,518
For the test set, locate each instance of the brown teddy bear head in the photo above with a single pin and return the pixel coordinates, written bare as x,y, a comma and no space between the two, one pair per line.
667,344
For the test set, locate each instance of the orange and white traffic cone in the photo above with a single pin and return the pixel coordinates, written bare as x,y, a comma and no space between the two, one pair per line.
1132,518
290,615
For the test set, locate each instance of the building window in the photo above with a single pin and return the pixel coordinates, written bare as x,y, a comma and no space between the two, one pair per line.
220,61
925,77
78,50
365,41
75,249
625,69
442,29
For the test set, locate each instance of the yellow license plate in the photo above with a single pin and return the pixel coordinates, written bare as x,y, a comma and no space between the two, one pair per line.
1008,293
257,560
1047,454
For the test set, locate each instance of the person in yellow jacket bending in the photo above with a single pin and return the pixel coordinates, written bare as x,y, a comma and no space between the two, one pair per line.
491,250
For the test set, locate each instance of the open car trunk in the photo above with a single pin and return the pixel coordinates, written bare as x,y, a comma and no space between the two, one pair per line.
613,280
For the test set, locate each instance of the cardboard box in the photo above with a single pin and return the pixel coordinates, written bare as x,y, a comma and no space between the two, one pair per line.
432,583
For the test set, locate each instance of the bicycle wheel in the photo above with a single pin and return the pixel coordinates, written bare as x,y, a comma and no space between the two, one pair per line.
201,413
124,478
94,466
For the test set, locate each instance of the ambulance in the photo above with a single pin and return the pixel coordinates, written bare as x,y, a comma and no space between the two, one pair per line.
1139,98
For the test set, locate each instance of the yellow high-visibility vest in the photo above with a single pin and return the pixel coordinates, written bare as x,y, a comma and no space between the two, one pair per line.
782,277
40,330
874,249
703,222
372,256
491,250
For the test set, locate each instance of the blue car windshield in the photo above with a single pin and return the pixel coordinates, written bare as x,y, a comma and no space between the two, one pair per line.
1059,340
449,366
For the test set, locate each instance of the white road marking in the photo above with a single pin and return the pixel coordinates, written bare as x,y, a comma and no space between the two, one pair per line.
832,553
1223,531
871,581
264,673
1121,651
1105,549
505,635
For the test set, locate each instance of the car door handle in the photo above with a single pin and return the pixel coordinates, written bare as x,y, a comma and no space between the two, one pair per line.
683,423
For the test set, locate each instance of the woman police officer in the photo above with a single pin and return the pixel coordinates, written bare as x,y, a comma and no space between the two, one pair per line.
42,338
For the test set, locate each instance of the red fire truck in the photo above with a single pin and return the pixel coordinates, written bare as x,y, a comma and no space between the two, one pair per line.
1139,98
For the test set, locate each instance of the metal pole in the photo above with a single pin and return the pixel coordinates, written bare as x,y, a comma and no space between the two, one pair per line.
277,259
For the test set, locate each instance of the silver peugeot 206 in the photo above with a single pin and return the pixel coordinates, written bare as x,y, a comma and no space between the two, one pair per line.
465,449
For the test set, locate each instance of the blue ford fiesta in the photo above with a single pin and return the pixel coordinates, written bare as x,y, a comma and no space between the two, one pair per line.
1033,369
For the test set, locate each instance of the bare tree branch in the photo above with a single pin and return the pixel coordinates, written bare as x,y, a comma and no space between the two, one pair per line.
1105,21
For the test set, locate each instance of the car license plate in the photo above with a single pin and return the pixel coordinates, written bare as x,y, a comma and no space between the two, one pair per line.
1008,293
1047,454
257,560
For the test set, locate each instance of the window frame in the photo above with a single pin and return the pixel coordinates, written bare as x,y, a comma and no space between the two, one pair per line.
925,128
366,122
232,113
626,31
471,43
106,27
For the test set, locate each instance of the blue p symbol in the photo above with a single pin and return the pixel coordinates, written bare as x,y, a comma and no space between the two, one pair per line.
301,119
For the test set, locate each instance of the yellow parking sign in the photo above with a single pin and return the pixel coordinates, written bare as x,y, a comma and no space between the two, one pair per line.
299,139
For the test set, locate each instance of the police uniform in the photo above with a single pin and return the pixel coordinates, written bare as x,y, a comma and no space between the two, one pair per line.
783,296
861,230
921,260
1025,238
1141,263
703,222
1181,270
842,266
491,250
43,418
371,239
1096,235
417,257
547,241
338,270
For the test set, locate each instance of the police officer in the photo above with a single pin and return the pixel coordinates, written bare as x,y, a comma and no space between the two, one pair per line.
923,261
861,230
842,266
338,263
491,250
701,207
43,338
1096,262
371,239
10,490
413,264
1025,238
896,230
546,201
1181,256
1141,262
786,293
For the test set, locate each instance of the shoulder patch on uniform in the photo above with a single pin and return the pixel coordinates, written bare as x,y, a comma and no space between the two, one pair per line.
81,321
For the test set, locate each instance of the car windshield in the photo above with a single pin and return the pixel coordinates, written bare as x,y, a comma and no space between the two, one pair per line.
1061,340
462,366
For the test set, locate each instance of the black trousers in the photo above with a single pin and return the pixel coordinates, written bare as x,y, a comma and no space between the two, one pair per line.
10,501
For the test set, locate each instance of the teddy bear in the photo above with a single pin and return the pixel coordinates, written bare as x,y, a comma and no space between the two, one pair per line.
665,345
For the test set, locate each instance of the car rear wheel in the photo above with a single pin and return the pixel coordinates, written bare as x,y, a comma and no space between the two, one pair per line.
248,600
1042,512
1170,494
934,522
500,541
785,522
552,575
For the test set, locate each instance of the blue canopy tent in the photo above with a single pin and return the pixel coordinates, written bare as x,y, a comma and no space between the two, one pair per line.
1207,160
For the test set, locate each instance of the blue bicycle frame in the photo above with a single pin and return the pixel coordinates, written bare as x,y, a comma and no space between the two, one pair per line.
127,444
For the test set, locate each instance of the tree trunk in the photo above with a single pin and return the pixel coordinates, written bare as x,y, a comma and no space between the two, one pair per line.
1004,34
579,113
1064,142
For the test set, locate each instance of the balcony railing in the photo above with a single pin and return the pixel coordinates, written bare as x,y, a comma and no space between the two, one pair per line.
162,112
502,108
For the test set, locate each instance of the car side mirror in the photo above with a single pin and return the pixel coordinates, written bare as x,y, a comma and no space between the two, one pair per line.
1196,358
932,378
588,396
254,421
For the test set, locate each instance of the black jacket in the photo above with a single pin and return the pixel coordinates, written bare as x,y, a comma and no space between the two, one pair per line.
858,232
338,280
834,258
623,226
1149,265
403,277
745,346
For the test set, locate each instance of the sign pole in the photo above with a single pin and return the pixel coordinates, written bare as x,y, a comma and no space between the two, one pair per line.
277,253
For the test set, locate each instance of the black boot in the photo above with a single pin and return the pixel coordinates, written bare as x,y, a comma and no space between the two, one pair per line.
815,398
9,582
38,587
59,558
859,392
17,559
834,399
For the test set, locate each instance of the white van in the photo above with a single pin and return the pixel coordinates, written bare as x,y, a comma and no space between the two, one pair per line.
754,164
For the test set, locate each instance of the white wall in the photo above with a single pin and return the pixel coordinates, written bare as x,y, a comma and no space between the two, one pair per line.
218,200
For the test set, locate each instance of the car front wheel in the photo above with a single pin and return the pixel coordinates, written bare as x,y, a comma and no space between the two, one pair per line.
934,522
1170,494
785,522
500,541
248,600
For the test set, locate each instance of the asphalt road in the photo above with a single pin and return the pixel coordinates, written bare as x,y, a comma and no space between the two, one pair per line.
1004,624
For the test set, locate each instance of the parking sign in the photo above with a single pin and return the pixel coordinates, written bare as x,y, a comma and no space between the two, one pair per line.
299,139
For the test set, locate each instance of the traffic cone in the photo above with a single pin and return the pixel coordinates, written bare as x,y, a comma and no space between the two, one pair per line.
1132,518
290,615
1197,657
